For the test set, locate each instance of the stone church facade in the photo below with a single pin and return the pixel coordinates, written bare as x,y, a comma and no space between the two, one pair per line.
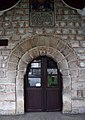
64,42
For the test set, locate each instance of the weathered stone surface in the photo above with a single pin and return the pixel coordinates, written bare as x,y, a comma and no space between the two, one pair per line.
64,42
78,103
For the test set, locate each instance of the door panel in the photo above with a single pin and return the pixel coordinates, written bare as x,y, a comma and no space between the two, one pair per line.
52,100
43,87
33,104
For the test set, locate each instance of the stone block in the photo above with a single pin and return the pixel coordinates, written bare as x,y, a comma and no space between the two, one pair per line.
1,31
7,80
19,52
82,110
58,31
7,96
20,74
82,64
81,78
74,72
9,32
78,103
67,107
22,66
65,31
7,25
80,32
70,24
60,46
63,65
78,37
24,18
20,107
2,73
20,102
2,88
21,24
11,74
81,72
66,51
77,24
82,43
75,44
8,106
7,112
36,51
39,31
20,84
12,66
26,45
62,24
15,37
20,11
84,93
78,85
74,94
21,31
65,72
59,57
80,93
71,57
26,58
80,50
9,88
49,31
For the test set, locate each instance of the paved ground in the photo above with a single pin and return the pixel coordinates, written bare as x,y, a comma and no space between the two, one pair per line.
44,116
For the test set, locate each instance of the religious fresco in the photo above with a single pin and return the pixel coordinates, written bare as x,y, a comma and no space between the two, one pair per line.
41,13
41,5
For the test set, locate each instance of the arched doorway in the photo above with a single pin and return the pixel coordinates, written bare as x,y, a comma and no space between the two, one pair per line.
43,85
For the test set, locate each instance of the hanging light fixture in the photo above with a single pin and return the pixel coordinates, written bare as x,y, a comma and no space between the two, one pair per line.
6,5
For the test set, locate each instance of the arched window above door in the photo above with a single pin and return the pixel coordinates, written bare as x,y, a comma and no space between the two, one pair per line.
43,68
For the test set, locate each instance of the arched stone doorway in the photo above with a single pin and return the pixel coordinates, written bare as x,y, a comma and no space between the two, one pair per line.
43,86
36,46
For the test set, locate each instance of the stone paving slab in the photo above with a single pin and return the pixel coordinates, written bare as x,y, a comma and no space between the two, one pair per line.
44,116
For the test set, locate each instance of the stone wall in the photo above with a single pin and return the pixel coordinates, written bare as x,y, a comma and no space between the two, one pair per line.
66,39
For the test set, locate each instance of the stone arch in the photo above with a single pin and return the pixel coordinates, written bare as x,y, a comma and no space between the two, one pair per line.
36,46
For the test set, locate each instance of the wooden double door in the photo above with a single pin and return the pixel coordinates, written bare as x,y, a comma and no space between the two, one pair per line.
43,86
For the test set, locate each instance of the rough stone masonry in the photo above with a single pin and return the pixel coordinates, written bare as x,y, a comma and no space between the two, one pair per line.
64,42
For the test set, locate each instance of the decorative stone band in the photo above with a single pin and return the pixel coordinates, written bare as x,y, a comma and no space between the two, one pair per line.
2,11
80,11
